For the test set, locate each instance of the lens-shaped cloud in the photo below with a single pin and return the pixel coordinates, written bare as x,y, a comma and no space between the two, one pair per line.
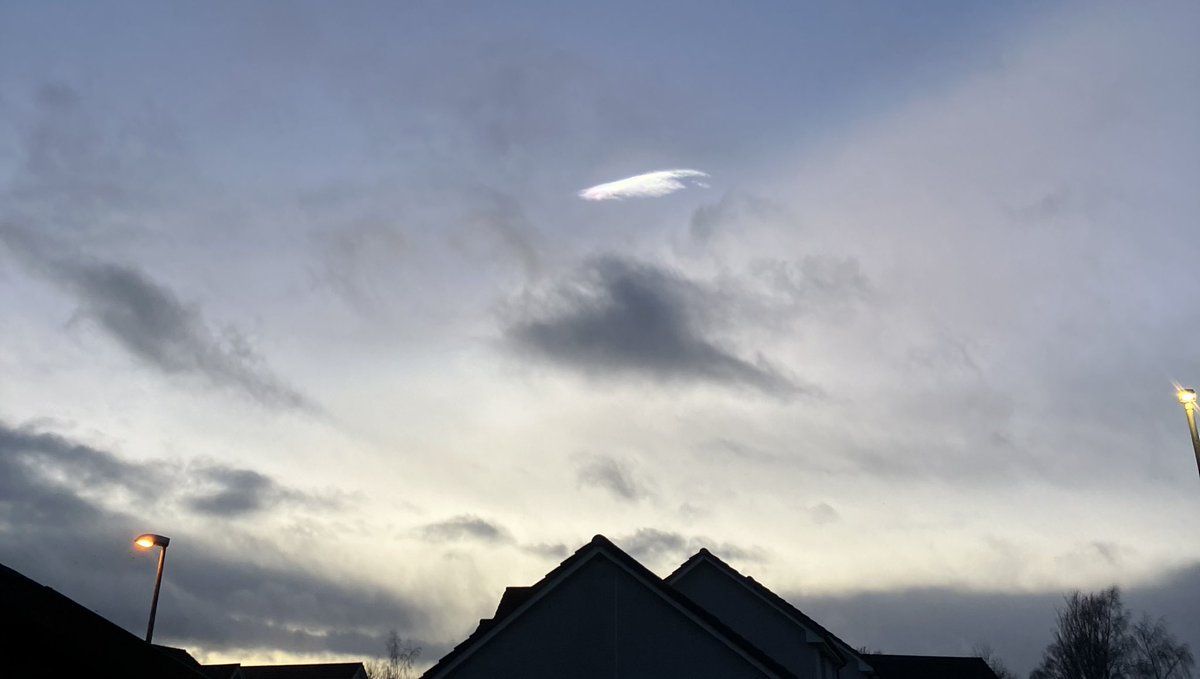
648,185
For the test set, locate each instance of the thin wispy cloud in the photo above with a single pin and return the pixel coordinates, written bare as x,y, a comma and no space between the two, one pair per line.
648,185
150,322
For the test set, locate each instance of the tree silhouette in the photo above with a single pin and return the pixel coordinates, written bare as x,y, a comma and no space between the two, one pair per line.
1094,640
400,661
1156,653
987,655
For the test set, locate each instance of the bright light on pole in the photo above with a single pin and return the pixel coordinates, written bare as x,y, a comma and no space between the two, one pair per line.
1188,398
145,542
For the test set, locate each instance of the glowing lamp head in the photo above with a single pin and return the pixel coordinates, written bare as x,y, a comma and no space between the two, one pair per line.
151,540
1186,396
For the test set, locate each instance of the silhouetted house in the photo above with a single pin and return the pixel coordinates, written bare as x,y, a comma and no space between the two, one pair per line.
226,671
767,620
602,614
223,671
929,667
346,670
45,634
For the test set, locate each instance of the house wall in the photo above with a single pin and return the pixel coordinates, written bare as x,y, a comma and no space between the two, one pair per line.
762,624
852,670
602,622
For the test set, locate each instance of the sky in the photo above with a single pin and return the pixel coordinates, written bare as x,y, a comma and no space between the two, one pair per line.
372,310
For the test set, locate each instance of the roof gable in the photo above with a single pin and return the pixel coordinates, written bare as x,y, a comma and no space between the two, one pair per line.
574,576
44,633
929,667
838,649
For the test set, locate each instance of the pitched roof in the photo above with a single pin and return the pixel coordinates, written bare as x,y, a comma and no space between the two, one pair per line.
343,670
45,634
835,644
516,600
928,667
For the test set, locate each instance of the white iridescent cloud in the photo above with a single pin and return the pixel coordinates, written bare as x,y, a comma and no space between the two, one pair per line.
648,185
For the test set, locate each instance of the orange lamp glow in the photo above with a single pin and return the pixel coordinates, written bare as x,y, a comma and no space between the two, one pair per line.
151,540
1186,396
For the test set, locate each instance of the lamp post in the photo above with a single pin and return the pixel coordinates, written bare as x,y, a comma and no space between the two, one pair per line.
145,542
1188,398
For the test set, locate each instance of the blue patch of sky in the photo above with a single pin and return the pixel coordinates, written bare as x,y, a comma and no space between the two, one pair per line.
254,86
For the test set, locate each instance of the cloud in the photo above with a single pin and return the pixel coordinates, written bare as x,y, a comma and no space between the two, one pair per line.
736,210
659,547
81,187
46,459
466,527
823,513
727,450
53,530
226,603
45,453
470,528
39,475
619,316
374,251
612,475
648,185
552,550
149,322
230,492
1018,625
501,221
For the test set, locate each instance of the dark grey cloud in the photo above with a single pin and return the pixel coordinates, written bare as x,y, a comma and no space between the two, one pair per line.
30,465
51,455
608,473
152,324
54,531
664,548
239,491
465,527
651,544
228,492
81,186
471,528
224,602
617,316
41,458
1017,625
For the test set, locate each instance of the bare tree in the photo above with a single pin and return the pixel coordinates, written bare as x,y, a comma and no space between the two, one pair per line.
1156,653
400,661
1091,640
987,655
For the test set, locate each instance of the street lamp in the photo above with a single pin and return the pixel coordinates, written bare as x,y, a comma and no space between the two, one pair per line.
145,542
1188,398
